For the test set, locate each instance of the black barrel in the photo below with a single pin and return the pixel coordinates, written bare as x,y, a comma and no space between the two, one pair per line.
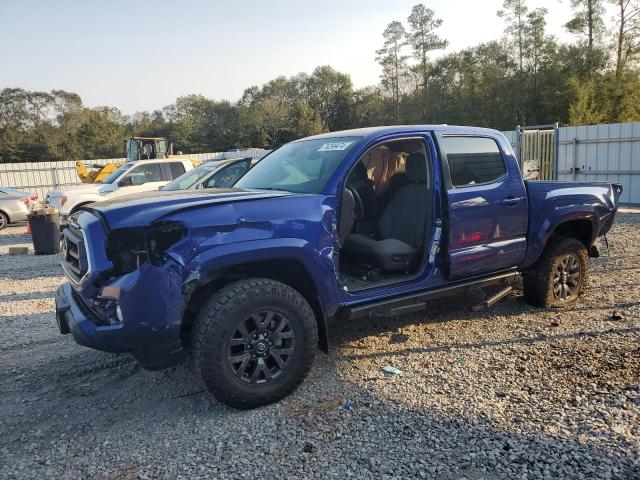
45,232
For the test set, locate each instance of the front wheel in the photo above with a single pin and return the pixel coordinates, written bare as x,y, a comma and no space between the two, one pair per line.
559,276
4,221
254,342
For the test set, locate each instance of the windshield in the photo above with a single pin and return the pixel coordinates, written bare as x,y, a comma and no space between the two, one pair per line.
301,167
187,180
116,173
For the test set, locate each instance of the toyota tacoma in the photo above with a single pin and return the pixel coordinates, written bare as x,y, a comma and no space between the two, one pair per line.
361,223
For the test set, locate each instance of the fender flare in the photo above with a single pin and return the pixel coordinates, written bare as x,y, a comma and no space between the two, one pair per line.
540,241
83,199
80,205
207,265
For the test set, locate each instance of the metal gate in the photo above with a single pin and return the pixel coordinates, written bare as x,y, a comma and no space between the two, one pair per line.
537,151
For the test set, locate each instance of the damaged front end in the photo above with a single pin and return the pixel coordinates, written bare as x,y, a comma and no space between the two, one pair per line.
130,248
128,297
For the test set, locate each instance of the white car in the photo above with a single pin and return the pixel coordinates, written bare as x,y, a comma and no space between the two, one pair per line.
132,177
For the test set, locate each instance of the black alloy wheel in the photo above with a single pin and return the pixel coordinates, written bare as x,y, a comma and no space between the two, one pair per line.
254,342
261,347
559,277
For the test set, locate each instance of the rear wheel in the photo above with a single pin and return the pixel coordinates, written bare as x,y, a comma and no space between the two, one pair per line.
4,220
560,275
254,342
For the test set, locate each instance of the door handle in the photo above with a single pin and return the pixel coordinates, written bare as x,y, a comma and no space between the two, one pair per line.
512,200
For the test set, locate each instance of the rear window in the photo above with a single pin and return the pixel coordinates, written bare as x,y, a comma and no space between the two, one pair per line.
473,160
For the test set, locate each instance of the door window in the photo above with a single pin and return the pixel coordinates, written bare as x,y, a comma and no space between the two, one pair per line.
228,176
473,160
177,169
141,174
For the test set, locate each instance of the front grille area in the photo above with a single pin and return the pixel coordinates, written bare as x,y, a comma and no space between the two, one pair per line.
74,254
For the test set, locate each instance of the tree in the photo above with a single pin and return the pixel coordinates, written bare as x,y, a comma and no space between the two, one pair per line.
588,23
330,94
474,87
371,108
586,109
285,109
26,128
393,61
536,47
628,33
101,132
68,110
627,39
515,13
423,39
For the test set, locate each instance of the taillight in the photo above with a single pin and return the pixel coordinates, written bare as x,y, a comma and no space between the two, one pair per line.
34,198
25,200
63,200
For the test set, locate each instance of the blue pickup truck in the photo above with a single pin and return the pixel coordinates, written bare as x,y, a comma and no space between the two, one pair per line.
360,223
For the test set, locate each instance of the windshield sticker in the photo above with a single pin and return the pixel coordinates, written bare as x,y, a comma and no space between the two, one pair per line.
332,147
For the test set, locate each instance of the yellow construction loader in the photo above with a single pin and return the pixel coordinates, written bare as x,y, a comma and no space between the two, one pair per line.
135,148
95,173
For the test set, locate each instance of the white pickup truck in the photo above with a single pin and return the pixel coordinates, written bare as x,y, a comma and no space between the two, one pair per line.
132,177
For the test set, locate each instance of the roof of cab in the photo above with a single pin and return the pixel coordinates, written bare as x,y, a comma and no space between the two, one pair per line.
372,132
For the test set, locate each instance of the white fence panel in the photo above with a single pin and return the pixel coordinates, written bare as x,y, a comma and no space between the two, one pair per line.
602,153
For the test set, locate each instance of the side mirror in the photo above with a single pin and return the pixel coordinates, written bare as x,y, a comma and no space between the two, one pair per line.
125,182
106,189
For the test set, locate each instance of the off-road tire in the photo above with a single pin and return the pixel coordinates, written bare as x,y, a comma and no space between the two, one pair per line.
219,319
539,280
4,220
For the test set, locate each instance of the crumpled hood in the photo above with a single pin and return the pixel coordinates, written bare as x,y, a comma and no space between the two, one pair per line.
142,209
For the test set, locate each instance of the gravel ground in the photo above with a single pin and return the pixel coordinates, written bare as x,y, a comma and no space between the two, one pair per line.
515,392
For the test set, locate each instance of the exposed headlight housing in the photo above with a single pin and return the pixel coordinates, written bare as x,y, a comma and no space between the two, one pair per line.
129,248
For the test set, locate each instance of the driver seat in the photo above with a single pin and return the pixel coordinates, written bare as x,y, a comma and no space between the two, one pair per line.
400,231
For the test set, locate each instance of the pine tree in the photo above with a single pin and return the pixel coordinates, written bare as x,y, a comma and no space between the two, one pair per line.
423,39
589,24
393,61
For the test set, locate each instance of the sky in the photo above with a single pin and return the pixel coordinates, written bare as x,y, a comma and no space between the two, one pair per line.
143,54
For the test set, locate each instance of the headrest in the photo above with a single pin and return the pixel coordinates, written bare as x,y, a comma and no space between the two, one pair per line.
359,172
416,167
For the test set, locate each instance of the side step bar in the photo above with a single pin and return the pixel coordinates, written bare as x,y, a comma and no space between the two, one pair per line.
417,302
491,301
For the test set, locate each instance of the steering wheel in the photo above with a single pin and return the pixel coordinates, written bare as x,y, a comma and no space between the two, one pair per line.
359,207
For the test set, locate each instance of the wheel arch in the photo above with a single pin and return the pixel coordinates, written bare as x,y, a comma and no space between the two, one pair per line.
290,271
80,205
581,229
